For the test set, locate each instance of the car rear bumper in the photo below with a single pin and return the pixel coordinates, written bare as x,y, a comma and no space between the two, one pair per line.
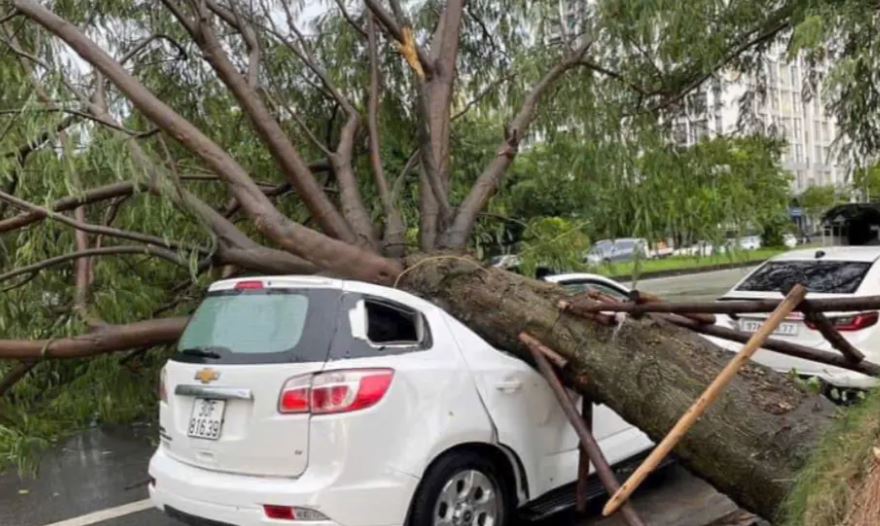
232,499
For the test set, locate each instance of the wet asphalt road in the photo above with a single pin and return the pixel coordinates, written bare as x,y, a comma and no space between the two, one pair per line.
105,468
700,286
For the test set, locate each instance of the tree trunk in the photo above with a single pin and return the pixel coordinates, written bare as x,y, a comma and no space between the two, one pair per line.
750,445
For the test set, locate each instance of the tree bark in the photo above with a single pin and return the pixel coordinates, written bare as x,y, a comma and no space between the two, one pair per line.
750,445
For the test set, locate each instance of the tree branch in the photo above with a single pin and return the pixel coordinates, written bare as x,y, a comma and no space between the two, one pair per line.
779,22
327,253
101,193
351,21
234,19
395,231
149,250
94,229
482,95
353,207
151,333
181,52
15,375
487,184
268,129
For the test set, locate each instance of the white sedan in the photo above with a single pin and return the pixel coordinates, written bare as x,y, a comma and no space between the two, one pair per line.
580,282
306,400
827,272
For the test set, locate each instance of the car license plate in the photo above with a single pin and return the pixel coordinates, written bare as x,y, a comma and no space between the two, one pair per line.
784,329
207,418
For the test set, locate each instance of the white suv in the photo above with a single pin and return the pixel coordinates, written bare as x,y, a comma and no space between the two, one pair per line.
827,272
325,402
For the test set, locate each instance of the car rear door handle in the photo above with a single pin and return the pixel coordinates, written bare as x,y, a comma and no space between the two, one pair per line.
509,385
214,393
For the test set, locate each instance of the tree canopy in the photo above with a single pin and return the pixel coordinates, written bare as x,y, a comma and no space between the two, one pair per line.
146,150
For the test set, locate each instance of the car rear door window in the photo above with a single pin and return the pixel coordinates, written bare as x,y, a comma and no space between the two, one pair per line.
830,277
375,327
391,324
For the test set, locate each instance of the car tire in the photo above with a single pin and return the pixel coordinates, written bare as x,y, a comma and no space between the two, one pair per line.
463,489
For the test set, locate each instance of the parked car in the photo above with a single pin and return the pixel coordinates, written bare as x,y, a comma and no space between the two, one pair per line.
340,403
751,242
578,283
828,272
617,250
661,249
700,248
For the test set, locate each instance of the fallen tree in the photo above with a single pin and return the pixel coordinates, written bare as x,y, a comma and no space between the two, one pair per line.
750,445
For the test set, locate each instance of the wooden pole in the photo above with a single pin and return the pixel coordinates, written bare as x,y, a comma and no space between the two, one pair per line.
776,345
693,414
771,344
863,303
643,298
834,338
582,500
588,442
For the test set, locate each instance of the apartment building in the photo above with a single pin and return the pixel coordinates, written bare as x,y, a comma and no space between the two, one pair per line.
734,103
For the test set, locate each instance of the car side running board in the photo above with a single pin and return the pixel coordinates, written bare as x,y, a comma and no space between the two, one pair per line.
214,393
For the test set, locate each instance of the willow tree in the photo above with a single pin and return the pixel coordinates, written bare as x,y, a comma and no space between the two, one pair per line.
213,137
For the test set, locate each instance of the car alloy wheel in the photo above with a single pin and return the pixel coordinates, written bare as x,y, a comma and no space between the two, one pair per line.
469,498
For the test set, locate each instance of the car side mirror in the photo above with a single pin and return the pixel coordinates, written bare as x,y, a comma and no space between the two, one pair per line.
357,320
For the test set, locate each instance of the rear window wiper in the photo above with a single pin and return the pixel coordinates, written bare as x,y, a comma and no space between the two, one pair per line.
202,352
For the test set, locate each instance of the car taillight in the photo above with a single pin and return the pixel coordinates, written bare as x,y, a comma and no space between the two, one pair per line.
163,392
335,391
346,391
295,395
852,322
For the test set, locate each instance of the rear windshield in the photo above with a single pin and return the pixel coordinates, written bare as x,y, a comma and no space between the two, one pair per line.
833,277
261,326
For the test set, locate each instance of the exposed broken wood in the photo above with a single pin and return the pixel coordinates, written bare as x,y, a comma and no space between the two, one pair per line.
705,401
588,442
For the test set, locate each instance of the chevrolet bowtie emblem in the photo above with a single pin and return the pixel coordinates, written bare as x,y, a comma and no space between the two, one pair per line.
207,375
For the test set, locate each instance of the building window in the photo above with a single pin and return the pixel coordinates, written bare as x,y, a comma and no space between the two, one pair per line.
679,133
818,154
798,153
700,129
